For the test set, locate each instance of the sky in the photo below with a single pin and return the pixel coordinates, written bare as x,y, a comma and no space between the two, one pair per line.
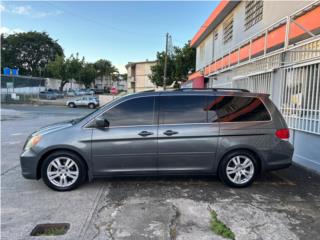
118,31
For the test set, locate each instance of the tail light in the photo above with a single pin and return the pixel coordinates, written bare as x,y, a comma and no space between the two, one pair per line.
283,134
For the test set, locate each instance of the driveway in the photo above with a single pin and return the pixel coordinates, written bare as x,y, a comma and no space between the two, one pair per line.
279,205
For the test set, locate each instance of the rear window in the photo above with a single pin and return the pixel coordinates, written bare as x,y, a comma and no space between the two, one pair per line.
238,109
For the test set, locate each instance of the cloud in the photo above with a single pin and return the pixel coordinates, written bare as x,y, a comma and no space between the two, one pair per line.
46,14
22,10
7,31
27,10
2,8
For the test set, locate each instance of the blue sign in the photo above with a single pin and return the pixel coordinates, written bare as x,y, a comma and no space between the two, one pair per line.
15,71
9,71
6,71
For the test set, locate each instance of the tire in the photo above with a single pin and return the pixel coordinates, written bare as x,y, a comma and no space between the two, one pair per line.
71,105
91,105
238,174
66,178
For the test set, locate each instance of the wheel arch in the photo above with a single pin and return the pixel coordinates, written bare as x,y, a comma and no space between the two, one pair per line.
254,152
50,151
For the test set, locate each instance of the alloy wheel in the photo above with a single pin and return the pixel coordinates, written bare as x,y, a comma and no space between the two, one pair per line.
62,172
240,169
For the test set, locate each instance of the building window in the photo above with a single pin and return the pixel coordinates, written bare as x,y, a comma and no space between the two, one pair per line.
253,12
227,29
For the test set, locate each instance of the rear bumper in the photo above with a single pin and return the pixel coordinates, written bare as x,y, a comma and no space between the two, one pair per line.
279,165
280,157
29,164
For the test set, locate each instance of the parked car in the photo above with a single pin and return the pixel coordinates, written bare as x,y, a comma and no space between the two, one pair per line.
58,93
47,95
70,93
233,134
98,90
91,102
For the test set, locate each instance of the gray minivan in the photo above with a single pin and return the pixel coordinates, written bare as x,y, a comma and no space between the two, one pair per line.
231,133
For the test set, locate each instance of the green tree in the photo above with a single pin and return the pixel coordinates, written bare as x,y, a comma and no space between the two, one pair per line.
30,52
157,70
178,65
104,68
87,74
75,65
185,61
65,69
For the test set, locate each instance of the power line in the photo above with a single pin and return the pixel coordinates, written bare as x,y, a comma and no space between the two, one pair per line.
85,18
108,26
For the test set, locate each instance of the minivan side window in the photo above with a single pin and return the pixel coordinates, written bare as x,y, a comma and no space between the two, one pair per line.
239,109
182,109
136,111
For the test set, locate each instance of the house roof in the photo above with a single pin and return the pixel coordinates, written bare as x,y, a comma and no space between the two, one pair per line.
215,18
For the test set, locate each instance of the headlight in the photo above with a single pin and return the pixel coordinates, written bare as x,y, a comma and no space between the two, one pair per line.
33,141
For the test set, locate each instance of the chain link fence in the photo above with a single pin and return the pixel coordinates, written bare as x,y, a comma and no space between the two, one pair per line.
20,89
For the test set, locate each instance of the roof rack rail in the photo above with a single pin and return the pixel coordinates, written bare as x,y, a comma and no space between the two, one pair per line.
214,89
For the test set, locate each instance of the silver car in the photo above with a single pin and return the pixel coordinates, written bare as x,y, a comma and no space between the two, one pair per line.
233,134
90,102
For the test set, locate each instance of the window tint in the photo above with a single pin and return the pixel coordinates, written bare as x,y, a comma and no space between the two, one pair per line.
238,109
183,109
138,111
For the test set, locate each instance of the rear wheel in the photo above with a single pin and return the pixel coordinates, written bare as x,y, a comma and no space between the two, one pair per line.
238,169
91,105
71,105
63,171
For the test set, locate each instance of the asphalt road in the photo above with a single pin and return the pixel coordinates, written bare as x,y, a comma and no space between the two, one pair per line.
279,205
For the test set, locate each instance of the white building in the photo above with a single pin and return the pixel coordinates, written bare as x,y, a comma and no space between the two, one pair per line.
138,76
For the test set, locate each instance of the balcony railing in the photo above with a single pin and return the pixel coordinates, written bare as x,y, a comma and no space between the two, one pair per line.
278,37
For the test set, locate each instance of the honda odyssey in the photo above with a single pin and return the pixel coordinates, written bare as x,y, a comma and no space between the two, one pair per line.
231,133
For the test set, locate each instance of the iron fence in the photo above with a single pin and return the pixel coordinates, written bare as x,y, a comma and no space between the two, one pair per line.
300,100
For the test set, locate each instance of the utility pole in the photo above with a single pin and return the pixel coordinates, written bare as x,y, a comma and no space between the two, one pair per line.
165,63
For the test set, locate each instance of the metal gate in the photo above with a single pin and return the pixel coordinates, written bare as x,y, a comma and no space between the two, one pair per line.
259,83
300,100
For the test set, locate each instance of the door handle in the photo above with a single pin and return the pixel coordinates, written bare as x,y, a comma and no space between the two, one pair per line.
145,133
170,133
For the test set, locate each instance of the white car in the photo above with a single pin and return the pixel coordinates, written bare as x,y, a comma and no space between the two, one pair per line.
91,102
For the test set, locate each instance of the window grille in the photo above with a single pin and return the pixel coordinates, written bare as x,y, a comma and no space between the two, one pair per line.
260,83
253,12
228,29
300,100
202,52
216,35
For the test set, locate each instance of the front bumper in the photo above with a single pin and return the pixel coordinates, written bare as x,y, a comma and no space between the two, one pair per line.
29,164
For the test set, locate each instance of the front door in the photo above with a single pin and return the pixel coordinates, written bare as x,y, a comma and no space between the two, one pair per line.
129,144
187,141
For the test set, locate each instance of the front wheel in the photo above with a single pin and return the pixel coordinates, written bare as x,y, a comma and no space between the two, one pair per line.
91,106
71,105
63,171
238,169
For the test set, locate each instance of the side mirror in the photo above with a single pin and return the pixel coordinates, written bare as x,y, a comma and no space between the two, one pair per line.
101,122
